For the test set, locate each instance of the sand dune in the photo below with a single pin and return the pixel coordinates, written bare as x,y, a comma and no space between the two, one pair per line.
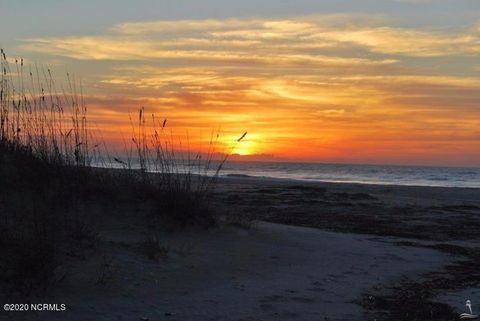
271,272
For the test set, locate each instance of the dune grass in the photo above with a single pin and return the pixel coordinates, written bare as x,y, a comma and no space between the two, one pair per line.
47,177
183,181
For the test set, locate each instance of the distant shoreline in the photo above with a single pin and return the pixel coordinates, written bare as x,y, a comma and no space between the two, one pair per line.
225,174
386,175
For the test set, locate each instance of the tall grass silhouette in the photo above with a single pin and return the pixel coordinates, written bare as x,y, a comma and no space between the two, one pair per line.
184,179
44,174
35,115
49,156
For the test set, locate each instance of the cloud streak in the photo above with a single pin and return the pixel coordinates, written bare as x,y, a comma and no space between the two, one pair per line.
262,41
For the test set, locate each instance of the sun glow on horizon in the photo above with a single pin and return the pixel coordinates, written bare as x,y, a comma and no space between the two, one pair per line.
247,147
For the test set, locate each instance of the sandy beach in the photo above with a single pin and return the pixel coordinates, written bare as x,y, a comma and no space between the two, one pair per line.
316,251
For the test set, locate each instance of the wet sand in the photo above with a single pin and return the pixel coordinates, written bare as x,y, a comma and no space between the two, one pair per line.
428,213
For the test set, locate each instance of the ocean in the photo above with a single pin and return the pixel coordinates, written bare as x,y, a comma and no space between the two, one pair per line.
340,173
366,174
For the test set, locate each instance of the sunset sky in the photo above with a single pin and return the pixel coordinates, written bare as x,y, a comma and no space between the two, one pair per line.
356,81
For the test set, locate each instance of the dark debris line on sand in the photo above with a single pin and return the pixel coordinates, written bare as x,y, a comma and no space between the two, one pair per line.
412,299
438,221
